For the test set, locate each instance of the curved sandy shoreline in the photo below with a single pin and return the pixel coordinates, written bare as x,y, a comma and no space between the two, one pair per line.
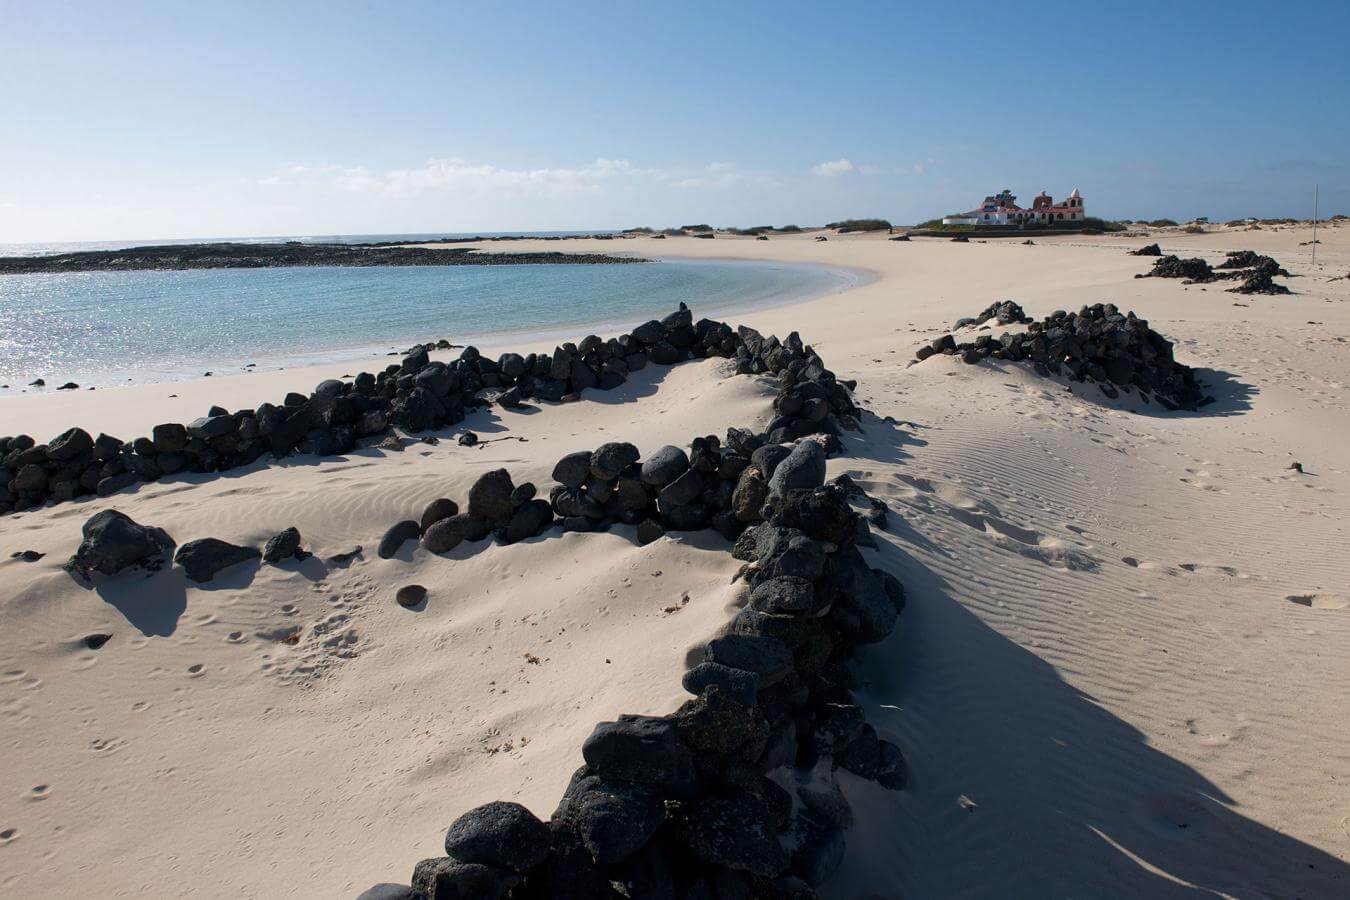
142,405
1119,674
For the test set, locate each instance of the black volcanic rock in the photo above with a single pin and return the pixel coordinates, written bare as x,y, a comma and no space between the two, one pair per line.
203,559
113,541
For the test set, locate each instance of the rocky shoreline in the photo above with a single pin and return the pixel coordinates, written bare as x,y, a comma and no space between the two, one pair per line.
415,395
734,794
178,257
1098,345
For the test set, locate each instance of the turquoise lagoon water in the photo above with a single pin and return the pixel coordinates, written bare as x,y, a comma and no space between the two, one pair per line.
101,328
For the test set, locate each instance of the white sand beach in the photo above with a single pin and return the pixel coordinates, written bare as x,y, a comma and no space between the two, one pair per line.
1122,670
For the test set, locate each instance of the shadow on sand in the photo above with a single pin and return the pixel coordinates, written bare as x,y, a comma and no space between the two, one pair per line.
1023,785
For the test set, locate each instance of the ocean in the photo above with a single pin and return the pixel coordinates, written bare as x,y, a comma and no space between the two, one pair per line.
105,328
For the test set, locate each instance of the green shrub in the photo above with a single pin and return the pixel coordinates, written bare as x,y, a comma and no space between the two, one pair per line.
1194,228
848,225
1162,223
936,225
1103,224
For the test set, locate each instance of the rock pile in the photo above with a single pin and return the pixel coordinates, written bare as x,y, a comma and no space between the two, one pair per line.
716,483
1006,312
1256,271
689,805
414,395
1147,250
1098,343
693,805
1241,259
1261,280
1172,266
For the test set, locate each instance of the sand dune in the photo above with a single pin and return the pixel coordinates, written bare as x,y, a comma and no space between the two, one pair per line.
1121,670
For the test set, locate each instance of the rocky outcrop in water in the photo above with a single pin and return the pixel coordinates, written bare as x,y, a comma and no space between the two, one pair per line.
290,254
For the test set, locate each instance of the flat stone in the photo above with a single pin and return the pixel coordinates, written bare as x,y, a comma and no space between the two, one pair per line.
205,558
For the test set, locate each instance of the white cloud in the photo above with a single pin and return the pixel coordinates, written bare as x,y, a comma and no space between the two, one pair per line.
717,175
833,167
456,175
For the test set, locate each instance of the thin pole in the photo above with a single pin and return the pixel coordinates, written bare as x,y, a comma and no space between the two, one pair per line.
1314,242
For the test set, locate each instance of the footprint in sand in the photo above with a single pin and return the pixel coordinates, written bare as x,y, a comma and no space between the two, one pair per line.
1202,569
8,835
1320,601
235,637
39,792
196,670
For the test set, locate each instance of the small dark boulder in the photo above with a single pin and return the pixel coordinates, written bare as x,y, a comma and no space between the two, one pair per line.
573,469
282,545
113,483
389,891
642,749
649,530
767,458
736,683
112,542
801,469
501,834
767,657
684,489
396,536
892,773
785,595
490,497
613,819
447,534
444,878
410,595
664,466
609,460
529,520
747,500
523,494
204,558
436,510
69,444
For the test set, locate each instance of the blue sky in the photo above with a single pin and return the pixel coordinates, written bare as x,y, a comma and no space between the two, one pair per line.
143,120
